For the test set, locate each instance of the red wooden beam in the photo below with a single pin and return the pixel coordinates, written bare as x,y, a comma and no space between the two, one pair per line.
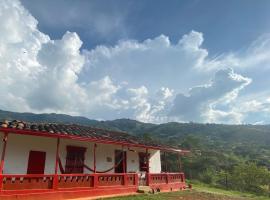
95,160
165,161
147,160
55,178
179,162
123,160
148,178
5,139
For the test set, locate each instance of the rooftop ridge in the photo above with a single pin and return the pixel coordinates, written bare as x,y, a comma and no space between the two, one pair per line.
78,130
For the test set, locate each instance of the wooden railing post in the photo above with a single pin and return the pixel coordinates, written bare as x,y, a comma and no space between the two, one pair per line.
5,139
167,178
125,179
136,179
95,181
55,177
183,179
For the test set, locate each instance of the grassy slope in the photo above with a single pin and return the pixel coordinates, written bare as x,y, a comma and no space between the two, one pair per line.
199,192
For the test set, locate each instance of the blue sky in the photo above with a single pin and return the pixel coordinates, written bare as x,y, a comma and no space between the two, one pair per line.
227,25
154,61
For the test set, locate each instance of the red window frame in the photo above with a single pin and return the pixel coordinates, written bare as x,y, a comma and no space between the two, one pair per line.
75,160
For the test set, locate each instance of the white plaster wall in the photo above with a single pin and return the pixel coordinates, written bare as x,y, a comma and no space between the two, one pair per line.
132,161
17,153
155,162
19,146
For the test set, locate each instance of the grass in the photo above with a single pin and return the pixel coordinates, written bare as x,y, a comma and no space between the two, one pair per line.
199,192
230,193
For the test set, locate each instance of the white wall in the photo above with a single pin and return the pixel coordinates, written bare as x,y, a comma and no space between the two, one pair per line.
17,152
155,162
19,146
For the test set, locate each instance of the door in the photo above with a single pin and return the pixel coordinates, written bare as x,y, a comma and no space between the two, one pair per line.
36,162
120,161
75,160
143,162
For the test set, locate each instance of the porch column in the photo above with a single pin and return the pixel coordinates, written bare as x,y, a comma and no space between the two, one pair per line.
95,159
147,161
55,179
179,162
123,160
165,162
124,166
5,139
95,175
147,168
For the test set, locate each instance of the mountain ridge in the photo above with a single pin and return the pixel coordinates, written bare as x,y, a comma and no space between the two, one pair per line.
172,130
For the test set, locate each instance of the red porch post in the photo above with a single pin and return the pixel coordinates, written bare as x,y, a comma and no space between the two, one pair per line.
55,178
165,161
123,160
148,182
95,162
95,177
166,168
179,162
124,166
5,139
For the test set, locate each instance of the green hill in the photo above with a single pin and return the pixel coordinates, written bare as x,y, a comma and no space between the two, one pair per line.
218,151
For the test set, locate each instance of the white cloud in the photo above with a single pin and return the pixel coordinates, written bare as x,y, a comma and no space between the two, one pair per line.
142,80
200,103
154,62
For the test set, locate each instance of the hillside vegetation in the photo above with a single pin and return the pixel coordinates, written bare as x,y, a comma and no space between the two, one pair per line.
227,156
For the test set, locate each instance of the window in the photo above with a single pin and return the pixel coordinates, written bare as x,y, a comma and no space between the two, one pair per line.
36,162
75,160
143,161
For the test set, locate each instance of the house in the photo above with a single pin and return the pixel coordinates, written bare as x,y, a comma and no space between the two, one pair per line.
57,161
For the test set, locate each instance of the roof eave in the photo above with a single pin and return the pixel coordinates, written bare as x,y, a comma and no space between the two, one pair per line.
79,138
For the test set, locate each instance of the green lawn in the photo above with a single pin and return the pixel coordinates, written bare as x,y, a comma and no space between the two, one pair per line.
199,192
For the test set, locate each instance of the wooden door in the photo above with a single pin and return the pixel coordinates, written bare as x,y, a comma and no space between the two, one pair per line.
36,162
121,161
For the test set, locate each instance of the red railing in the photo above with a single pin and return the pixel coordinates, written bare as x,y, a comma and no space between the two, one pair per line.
166,178
87,181
65,181
24,182
75,181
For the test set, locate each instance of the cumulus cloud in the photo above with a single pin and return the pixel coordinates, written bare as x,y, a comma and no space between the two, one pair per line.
145,80
154,62
199,104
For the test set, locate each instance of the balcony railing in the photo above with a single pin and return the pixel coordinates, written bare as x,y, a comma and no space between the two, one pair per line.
39,182
66,181
166,178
